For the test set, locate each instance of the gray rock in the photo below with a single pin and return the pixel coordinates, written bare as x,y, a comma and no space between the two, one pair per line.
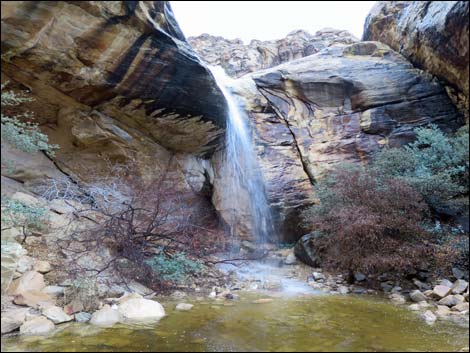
451,300
13,319
290,259
458,273
305,249
359,277
54,290
429,317
446,282
82,317
56,315
417,296
462,307
397,298
106,316
441,291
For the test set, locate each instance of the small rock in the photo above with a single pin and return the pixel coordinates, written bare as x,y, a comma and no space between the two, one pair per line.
442,311
25,264
417,296
441,291
414,307
424,305
42,266
106,316
359,277
397,298
386,287
429,317
461,307
451,300
56,315
263,301
422,286
37,326
184,306
423,275
54,290
249,245
290,259
446,282
343,290
82,317
178,294
458,273
318,276
429,293
74,306
459,286
396,289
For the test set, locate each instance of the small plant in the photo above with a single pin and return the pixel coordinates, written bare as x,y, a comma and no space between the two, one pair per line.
176,268
16,213
18,130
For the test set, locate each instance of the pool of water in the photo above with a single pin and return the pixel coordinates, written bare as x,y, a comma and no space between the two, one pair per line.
302,323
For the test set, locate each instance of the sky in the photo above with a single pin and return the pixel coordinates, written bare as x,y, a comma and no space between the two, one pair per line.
266,20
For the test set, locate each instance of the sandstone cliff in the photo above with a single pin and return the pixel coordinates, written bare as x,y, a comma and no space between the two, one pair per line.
433,35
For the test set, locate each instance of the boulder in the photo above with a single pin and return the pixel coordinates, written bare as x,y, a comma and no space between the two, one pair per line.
13,319
441,291
446,282
56,315
106,316
442,311
459,286
55,291
306,250
184,307
37,326
29,281
417,296
451,300
141,310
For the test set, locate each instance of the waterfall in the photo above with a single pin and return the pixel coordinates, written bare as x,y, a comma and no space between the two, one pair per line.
246,184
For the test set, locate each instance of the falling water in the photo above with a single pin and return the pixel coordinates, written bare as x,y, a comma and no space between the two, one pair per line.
241,164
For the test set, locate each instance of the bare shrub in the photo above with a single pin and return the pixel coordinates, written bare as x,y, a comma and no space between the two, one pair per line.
368,225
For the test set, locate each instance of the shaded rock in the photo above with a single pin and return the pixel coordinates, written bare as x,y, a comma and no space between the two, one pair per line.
37,326
359,277
458,273
184,307
459,286
307,251
12,319
417,296
29,281
56,315
141,310
441,291
106,316
82,317
432,35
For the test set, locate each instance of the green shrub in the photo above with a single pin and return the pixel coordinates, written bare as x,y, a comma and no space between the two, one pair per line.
435,164
176,268
18,130
16,213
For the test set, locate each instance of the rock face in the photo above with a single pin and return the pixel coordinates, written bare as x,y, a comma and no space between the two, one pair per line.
239,59
341,104
433,35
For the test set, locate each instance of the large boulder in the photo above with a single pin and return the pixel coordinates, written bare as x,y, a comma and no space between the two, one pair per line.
13,319
106,316
307,251
138,309
37,326
29,281
433,35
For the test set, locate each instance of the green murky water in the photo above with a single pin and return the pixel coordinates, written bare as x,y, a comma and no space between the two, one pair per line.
314,323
